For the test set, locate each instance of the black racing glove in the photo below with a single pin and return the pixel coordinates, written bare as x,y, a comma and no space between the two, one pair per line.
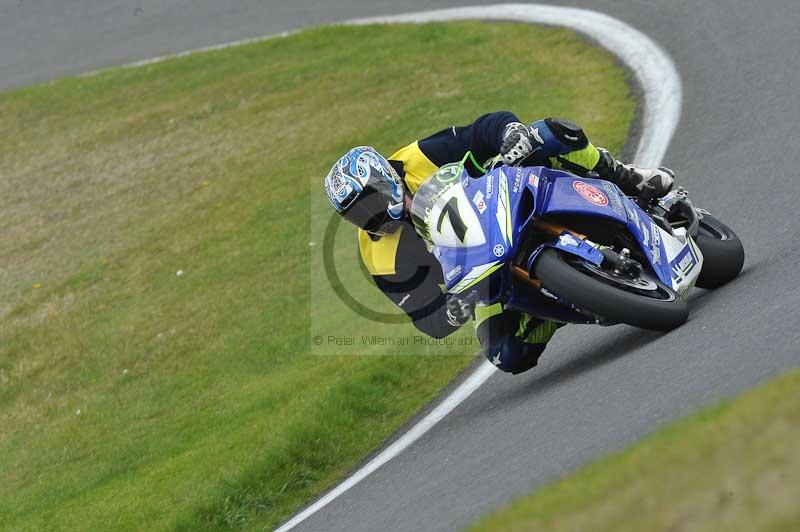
659,180
460,308
519,143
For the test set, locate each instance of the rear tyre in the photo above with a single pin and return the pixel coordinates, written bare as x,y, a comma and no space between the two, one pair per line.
723,253
644,302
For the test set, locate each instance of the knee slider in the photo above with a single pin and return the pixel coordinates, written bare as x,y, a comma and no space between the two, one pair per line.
513,355
568,133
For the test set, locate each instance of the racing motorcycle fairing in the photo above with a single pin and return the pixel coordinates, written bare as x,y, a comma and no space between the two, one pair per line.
673,257
474,227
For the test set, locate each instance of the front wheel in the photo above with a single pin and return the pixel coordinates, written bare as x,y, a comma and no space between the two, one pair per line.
723,253
642,302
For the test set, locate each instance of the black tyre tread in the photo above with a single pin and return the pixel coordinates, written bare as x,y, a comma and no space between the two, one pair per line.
722,259
600,298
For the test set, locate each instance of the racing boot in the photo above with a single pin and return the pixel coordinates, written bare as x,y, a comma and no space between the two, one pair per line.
634,180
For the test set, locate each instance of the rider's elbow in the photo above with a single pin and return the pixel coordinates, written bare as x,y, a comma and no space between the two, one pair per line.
434,330
434,333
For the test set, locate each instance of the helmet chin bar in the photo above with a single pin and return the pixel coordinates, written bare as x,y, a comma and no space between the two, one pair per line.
387,227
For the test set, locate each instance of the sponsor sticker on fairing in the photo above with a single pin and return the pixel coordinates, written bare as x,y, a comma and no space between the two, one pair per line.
452,274
590,193
685,262
655,244
632,216
489,186
616,204
568,240
533,180
517,180
547,293
498,250
479,202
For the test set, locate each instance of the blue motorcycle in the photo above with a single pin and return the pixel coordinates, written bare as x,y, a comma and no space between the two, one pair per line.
572,249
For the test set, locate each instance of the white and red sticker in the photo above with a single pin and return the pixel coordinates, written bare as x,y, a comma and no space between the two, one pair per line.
590,193
477,199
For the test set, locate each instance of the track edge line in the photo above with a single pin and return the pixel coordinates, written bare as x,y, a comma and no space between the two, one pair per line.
662,95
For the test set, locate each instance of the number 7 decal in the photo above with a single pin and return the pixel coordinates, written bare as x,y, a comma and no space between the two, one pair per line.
451,209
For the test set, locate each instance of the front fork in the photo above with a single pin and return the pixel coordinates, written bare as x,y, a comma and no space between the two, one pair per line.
525,275
577,244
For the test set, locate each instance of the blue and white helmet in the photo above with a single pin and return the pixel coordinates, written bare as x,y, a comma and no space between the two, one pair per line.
365,189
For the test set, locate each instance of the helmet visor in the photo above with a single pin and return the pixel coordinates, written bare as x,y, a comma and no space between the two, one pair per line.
370,213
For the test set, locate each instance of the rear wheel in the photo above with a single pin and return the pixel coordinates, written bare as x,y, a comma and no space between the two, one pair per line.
723,253
642,302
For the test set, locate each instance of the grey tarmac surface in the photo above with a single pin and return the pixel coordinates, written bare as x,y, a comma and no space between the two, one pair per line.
596,389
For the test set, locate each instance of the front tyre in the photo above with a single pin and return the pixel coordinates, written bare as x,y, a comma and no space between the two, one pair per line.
723,253
643,302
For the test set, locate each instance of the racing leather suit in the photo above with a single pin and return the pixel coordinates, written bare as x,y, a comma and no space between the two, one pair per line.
412,278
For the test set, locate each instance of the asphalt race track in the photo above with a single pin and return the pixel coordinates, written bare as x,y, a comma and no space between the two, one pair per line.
596,389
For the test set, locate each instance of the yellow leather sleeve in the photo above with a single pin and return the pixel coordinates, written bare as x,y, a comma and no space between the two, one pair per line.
416,164
379,256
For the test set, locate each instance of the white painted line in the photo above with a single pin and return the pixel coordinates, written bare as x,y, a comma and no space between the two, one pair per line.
660,83
653,68
159,59
464,390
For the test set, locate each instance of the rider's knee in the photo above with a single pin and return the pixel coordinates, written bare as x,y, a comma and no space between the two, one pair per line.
513,355
568,133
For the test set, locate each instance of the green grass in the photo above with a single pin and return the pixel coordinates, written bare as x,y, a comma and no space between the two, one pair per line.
733,467
135,399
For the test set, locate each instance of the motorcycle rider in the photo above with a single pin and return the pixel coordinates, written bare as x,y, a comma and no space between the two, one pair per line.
374,193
